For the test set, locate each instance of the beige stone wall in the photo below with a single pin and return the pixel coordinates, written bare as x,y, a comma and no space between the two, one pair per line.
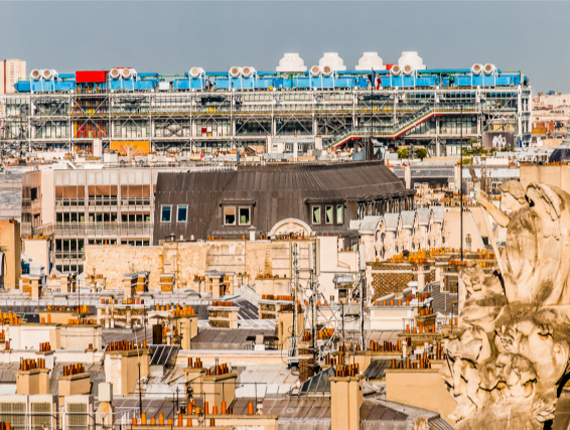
423,388
255,257
10,244
191,262
113,261
193,258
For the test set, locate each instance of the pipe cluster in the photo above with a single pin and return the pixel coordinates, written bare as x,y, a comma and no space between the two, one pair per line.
345,371
30,363
73,369
45,346
274,297
195,365
125,345
10,318
218,303
183,311
388,346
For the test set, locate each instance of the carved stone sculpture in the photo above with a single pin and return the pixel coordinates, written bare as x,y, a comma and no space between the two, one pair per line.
509,355
421,423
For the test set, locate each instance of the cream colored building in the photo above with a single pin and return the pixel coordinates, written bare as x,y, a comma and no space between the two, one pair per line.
558,176
426,228
252,262
11,71
10,248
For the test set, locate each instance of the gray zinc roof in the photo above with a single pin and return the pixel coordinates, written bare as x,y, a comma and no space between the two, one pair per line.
408,218
275,192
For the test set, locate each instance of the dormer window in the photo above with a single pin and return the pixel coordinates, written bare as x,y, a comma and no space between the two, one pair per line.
237,212
325,211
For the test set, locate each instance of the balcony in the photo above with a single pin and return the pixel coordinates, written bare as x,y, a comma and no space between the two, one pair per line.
104,229
27,229
69,202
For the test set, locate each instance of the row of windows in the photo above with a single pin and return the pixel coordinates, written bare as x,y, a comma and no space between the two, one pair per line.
239,215
181,213
63,217
327,215
243,215
70,268
135,242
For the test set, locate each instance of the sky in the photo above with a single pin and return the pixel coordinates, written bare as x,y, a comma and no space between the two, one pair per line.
172,37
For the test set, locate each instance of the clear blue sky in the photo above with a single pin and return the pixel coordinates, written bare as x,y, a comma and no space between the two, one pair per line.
171,37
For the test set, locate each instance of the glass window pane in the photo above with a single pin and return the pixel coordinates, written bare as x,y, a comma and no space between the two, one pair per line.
339,214
230,215
165,214
316,215
328,214
182,213
244,216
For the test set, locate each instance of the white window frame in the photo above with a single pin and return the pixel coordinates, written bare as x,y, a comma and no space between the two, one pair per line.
332,214
312,214
178,213
341,220
239,215
235,215
161,213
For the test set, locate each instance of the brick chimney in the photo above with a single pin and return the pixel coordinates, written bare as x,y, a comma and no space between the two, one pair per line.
73,382
122,367
32,377
346,399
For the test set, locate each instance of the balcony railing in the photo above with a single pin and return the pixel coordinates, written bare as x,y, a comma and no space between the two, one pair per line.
26,229
121,229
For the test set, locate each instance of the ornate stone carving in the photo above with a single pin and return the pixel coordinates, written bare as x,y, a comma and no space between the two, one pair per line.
421,423
510,352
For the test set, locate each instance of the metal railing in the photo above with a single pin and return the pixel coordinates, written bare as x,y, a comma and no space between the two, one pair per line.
109,228
395,128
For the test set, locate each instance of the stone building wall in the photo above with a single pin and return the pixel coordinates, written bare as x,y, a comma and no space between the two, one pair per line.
113,261
187,260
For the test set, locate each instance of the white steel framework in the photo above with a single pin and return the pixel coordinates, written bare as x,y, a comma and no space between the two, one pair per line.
182,121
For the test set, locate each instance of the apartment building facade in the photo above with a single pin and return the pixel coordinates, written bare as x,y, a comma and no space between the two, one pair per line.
76,207
11,71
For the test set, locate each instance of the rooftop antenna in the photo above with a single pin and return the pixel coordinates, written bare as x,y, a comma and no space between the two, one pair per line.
461,182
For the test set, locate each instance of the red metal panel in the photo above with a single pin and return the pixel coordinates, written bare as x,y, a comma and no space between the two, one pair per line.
90,76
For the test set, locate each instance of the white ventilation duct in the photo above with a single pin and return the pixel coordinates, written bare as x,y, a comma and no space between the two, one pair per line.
476,69
248,72
128,73
46,74
315,71
413,59
333,60
235,72
396,70
115,73
370,61
36,74
196,72
489,69
327,70
408,70
291,63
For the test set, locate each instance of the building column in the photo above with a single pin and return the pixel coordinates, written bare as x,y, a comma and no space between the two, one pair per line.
437,141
